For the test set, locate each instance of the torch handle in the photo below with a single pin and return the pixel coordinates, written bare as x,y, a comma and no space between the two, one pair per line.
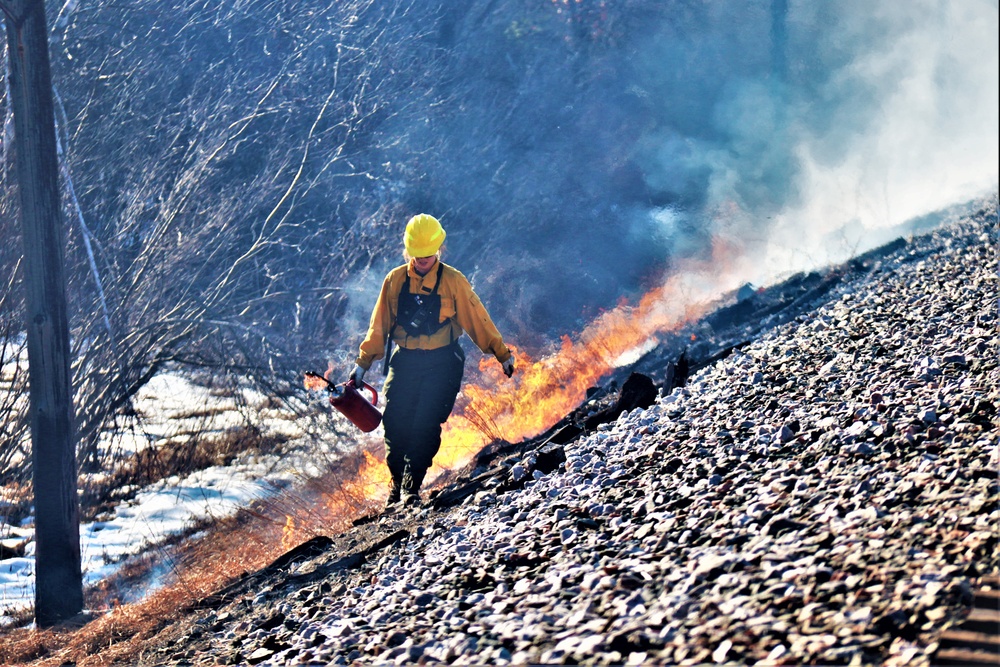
365,385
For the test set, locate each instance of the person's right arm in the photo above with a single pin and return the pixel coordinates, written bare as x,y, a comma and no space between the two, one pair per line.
373,346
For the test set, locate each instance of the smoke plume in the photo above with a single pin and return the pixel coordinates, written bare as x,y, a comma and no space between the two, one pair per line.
820,124
609,146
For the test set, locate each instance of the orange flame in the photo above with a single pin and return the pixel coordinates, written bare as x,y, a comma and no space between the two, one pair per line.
315,382
371,481
332,501
289,534
541,392
545,390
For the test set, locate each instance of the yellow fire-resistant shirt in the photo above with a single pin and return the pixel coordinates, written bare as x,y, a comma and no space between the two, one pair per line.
459,304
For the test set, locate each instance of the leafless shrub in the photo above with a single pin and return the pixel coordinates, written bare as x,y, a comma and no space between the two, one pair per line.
214,187
181,455
231,170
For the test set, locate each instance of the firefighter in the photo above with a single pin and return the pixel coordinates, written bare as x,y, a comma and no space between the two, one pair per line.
423,308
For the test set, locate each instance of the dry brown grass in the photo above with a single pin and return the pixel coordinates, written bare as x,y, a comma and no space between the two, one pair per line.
181,455
118,635
203,566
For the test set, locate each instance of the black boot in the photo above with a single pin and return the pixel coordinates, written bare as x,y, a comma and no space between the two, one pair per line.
412,479
395,492
411,485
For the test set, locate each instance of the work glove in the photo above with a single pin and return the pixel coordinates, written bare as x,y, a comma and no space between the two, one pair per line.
357,375
508,366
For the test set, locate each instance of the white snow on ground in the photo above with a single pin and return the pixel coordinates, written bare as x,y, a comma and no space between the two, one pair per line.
173,406
165,509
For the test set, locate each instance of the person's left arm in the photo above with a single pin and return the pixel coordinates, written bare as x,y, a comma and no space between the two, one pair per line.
475,320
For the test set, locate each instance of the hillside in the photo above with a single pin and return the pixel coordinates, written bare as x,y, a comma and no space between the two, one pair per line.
825,494
234,179
235,175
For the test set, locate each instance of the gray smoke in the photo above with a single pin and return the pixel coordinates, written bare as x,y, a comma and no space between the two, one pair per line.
580,151
585,166
867,115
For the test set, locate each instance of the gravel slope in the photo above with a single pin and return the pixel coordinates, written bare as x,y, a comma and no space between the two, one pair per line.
826,494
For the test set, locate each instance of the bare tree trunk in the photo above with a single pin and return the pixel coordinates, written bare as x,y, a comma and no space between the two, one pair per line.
58,580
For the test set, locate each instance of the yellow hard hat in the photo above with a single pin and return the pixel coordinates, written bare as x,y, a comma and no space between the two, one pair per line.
424,236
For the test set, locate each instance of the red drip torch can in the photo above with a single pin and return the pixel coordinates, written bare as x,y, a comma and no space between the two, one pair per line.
360,410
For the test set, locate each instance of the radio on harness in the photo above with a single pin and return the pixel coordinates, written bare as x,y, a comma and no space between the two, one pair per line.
420,314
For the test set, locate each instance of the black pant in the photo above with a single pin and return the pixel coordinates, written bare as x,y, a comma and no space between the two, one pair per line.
420,392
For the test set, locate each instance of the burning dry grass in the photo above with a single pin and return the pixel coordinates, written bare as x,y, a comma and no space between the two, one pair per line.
542,392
